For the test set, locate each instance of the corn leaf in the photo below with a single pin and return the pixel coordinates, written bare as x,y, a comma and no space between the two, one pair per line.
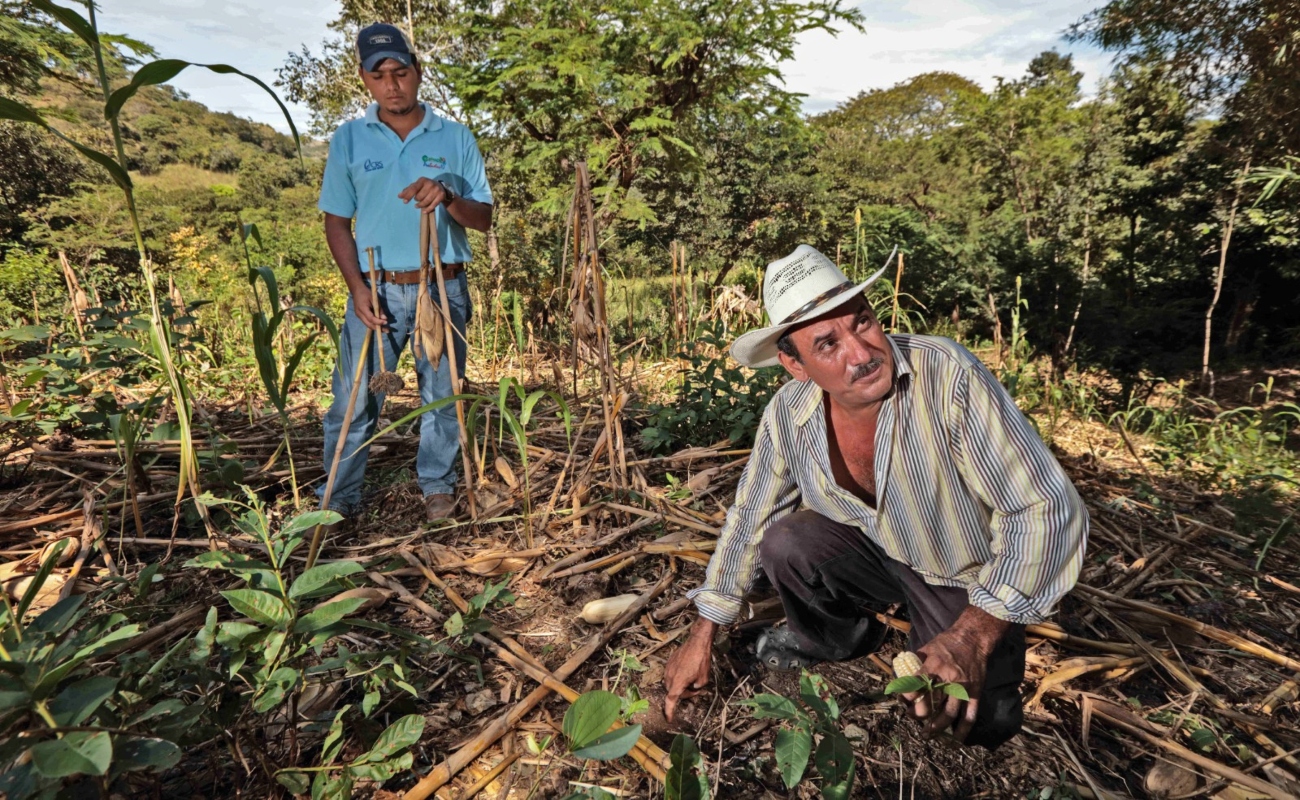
164,69
21,112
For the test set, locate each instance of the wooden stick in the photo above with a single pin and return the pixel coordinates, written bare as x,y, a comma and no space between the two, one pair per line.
443,772
314,550
468,464
59,516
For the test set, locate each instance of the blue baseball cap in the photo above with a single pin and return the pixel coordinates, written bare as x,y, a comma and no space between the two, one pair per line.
381,40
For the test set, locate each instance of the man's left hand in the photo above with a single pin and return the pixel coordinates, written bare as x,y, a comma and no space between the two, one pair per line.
426,193
959,655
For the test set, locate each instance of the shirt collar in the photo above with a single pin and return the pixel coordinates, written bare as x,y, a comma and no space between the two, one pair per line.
808,397
431,121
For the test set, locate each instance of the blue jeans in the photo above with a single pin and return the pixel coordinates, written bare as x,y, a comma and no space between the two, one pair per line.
435,466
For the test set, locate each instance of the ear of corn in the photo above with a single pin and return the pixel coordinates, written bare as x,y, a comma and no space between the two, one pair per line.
907,663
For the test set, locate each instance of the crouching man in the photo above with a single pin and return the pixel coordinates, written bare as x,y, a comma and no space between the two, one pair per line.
920,483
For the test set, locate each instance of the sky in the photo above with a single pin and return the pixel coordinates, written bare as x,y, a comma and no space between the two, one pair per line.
980,39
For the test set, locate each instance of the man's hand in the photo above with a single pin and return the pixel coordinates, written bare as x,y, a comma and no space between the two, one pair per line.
428,194
361,307
958,655
688,670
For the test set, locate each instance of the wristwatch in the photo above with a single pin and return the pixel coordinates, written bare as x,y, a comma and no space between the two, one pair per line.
448,196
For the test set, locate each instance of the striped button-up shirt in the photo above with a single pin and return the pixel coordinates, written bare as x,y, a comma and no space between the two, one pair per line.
967,493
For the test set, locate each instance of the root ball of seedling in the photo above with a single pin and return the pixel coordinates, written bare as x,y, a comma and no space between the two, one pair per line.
386,383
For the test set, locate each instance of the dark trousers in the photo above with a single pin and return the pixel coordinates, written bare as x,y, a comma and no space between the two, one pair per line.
831,577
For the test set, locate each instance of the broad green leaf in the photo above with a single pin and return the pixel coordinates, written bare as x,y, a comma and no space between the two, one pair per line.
793,747
140,753
772,706
615,744
398,736
78,701
334,738
327,614
683,781
277,687
835,763
164,69
817,695
26,333
74,754
263,607
590,716
295,782
956,690
321,577
382,770
907,683
308,521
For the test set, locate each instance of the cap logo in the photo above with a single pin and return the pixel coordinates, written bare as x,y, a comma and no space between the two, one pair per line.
381,39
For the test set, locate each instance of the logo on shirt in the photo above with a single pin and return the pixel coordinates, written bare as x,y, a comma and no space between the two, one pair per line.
434,163
371,166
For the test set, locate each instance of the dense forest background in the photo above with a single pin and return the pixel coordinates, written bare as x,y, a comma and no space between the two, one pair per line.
1114,208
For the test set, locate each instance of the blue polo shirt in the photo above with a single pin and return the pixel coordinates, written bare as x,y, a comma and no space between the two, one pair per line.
368,166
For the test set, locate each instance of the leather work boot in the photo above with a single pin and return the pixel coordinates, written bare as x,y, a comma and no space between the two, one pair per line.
440,506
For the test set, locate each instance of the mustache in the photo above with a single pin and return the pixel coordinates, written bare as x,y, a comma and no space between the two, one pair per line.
863,370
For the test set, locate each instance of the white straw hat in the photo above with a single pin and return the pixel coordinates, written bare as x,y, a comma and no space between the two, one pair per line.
797,288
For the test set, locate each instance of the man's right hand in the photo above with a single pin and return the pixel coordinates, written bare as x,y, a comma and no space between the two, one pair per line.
361,307
688,670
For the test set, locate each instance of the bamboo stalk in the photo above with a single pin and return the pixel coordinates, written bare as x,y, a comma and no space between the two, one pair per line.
314,550
443,772
432,222
489,776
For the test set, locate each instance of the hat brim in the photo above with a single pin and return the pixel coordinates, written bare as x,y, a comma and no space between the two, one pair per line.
758,347
373,61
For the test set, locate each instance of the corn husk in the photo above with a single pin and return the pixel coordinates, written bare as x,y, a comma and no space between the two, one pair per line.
598,612
507,473
429,331
494,567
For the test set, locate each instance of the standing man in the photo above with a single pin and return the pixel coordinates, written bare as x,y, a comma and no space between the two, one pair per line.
921,484
397,162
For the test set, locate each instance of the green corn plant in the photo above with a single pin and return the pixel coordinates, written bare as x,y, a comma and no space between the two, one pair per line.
817,714
153,73
276,367
516,423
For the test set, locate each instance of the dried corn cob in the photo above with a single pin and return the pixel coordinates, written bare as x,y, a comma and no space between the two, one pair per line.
907,663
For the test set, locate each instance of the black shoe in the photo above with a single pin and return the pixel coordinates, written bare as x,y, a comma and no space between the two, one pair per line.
778,650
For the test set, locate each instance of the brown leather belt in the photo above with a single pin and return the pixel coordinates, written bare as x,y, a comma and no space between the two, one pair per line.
407,277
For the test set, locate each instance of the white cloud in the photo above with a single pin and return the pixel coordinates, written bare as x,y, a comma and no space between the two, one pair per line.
980,39
253,37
